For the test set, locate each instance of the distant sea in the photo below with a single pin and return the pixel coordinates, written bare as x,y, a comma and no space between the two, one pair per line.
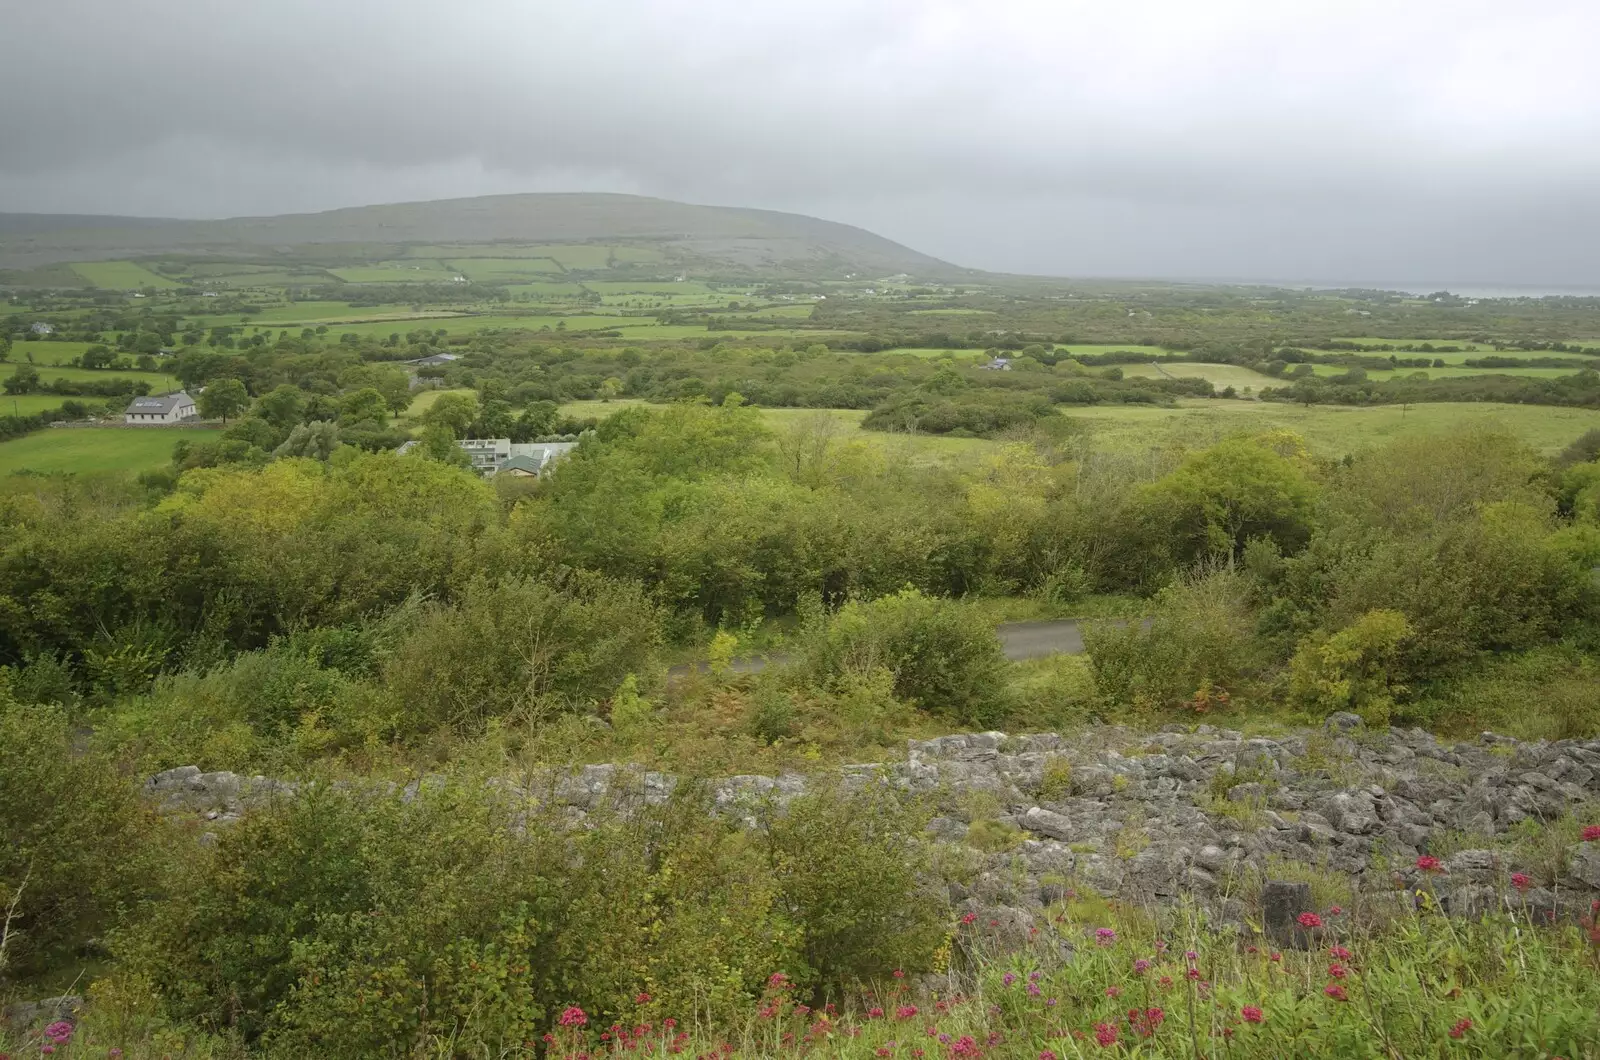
1465,290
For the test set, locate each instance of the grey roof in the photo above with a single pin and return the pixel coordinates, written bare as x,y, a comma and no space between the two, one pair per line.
159,404
437,358
529,464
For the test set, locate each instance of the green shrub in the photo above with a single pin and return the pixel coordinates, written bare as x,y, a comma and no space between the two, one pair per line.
1201,639
945,659
524,648
74,839
1350,669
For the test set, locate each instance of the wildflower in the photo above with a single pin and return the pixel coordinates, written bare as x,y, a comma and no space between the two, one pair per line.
1521,881
968,918
642,999
1165,980
1334,910
1335,991
1251,949
802,1010
905,1012
1339,953
1035,975
47,1049
1337,970
573,1017
1190,955
899,973
1033,990
1008,979
874,1013
1460,1029
778,981
1252,1014
1193,974
1047,1055
1309,920
59,1032
1105,1034
669,1023
1276,956
113,1053
1428,863
1104,936
1161,947
1050,1002
884,1050
1591,833
1113,991
918,1053
1141,966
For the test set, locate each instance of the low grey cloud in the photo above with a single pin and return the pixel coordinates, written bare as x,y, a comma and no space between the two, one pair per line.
1360,140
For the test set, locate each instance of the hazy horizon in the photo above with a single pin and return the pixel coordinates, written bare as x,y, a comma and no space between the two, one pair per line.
1153,139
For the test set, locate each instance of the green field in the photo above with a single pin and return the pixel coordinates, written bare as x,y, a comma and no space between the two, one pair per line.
46,353
27,404
120,275
398,272
492,270
95,448
1218,375
1330,430
688,287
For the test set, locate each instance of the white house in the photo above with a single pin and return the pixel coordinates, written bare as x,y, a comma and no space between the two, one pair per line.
159,408
490,456
41,328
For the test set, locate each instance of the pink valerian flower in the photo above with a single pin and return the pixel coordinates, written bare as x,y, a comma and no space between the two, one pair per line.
1192,974
1339,953
778,981
1309,920
968,918
1252,1014
642,999
874,1013
1033,990
1048,1055
1335,991
1105,1034
1190,955
966,1045
1145,1023
1334,910
1428,863
1338,971
1008,979
1276,957
1113,991
59,1032
905,1012
1591,833
1141,966
1461,1028
573,1016
1521,881
899,973
1104,936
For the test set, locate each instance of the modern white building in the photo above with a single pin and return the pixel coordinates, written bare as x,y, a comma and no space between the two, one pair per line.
158,409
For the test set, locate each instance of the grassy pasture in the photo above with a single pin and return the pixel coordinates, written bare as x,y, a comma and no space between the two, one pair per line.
1450,371
28,404
1329,430
160,381
951,312
398,272
120,275
546,289
687,287
276,279
1218,375
46,353
95,448
490,270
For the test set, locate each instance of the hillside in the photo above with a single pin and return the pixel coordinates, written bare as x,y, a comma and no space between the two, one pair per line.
703,237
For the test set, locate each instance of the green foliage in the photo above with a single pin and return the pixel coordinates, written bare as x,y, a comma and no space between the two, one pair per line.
352,922
1202,636
77,839
1352,668
1237,490
521,648
312,441
223,398
943,657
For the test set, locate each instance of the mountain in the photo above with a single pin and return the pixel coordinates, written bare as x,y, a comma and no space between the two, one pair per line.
707,238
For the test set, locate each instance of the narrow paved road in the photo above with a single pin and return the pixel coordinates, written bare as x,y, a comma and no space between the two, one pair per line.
1019,640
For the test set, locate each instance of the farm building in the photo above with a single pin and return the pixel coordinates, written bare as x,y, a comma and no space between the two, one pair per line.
491,456
158,409
41,328
434,360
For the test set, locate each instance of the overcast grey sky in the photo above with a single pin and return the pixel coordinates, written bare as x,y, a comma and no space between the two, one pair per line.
1398,140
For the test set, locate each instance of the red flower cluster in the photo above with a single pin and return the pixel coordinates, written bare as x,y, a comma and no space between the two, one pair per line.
573,1016
1460,1029
1335,991
1252,1014
1591,833
1145,1023
1309,920
1428,863
1105,1034
1521,881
